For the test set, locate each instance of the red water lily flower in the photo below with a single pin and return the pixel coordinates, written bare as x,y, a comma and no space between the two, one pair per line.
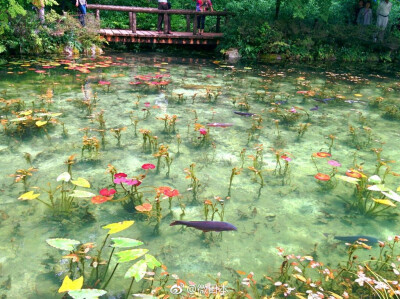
148,166
322,177
162,189
146,207
322,155
98,199
353,174
120,175
171,193
203,131
107,193
104,82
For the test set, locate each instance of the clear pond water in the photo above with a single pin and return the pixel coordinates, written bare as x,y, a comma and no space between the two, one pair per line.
291,210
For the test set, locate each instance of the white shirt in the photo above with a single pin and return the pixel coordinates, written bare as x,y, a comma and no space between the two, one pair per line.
384,8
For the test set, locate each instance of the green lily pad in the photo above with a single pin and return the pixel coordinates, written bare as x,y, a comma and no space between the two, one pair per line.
347,179
151,261
63,244
137,270
130,255
125,242
80,193
87,293
392,195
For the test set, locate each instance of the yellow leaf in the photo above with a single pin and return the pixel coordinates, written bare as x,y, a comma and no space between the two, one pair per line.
118,226
299,296
26,113
386,202
41,123
398,189
81,182
71,285
336,295
28,196
300,277
358,95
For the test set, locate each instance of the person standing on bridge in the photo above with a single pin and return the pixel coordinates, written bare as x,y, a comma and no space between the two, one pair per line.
164,5
81,4
39,7
202,5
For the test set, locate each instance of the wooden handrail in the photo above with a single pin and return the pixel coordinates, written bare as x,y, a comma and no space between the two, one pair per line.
132,10
155,10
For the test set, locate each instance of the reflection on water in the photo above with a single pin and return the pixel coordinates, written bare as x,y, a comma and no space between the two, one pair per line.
263,162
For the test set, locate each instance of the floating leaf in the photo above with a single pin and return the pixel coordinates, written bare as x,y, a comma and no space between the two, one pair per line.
358,95
144,296
81,193
29,196
379,187
41,123
151,261
87,293
65,176
118,226
130,255
392,195
300,277
63,244
375,179
137,270
125,242
335,295
26,113
81,182
347,179
71,285
386,202
398,189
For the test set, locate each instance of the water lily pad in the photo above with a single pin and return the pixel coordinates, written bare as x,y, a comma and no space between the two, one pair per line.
81,182
392,195
41,123
125,242
63,244
375,179
65,176
144,296
137,270
386,202
71,285
151,261
378,187
118,226
80,193
29,196
87,293
130,255
347,179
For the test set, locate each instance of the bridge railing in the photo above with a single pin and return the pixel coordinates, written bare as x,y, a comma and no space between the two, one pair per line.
132,10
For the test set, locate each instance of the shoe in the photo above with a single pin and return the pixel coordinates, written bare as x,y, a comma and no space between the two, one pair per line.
169,32
159,31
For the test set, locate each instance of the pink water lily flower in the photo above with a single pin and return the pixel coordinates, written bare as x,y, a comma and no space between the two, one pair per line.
286,158
148,166
293,110
334,163
104,82
120,175
132,182
147,104
120,180
203,131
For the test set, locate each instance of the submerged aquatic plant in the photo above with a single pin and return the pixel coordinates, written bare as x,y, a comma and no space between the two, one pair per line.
163,153
195,182
90,147
235,171
216,207
169,123
92,268
117,134
61,198
22,175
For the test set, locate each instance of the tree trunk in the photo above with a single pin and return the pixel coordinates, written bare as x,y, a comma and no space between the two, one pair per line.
277,8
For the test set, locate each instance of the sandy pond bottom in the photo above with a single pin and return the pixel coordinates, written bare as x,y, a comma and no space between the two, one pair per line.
291,211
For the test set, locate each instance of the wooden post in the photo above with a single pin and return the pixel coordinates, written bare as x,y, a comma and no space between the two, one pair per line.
131,20
134,22
98,14
166,16
194,24
218,24
187,23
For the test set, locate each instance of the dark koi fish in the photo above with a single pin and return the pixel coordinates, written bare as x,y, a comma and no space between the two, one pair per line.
220,125
315,108
352,239
206,226
325,101
243,113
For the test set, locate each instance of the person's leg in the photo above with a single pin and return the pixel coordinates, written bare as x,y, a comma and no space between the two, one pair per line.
203,21
41,15
198,24
160,18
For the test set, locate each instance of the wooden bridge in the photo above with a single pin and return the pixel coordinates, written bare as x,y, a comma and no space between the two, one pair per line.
135,35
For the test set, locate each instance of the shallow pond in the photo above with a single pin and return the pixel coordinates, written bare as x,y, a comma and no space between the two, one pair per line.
48,106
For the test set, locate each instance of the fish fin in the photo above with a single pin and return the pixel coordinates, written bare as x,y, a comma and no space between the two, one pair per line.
326,235
175,223
205,231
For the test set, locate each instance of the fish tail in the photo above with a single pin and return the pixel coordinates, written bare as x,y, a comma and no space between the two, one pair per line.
326,235
177,222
